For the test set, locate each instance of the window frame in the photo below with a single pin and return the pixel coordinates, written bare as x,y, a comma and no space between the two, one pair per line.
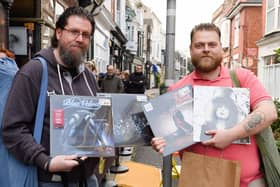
276,16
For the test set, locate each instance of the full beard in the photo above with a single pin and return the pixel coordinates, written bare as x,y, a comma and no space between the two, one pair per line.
70,58
206,65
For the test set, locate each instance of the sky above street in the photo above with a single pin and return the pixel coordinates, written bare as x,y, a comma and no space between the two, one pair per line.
188,14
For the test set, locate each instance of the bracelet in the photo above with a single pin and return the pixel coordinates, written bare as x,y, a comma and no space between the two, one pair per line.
47,165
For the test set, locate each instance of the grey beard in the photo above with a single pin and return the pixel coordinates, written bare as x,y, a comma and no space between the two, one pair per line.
71,59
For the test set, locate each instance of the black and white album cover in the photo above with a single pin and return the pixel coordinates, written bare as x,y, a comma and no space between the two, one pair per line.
81,125
170,117
130,125
219,108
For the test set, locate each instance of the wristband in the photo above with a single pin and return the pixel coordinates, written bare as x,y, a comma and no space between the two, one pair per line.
47,165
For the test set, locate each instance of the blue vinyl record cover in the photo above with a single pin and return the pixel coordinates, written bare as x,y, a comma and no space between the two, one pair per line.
81,125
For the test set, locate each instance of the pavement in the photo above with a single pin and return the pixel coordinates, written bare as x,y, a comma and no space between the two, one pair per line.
145,155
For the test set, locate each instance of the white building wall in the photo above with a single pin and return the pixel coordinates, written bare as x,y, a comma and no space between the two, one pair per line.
156,44
225,30
104,25
162,41
269,75
101,47
157,37
157,40
133,27
264,51
224,25
120,14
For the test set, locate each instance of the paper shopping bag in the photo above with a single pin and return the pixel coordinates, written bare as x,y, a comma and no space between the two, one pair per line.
204,171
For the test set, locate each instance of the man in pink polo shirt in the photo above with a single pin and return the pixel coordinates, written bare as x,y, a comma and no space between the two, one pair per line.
207,55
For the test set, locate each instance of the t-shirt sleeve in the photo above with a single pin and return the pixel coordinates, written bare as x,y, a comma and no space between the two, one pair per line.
257,91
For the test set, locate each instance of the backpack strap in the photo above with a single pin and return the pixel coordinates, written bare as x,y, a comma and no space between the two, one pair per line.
235,80
41,102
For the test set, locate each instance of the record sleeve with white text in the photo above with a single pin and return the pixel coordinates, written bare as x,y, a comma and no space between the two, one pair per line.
81,125
170,117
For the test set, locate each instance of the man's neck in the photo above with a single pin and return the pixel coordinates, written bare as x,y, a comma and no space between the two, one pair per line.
211,75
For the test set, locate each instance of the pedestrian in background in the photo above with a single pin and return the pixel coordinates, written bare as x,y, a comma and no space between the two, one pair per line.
137,81
100,78
111,83
125,79
90,64
118,72
66,76
206,56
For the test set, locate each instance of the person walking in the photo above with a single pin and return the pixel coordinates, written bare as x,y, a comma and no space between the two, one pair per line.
66,76
111,83
206,56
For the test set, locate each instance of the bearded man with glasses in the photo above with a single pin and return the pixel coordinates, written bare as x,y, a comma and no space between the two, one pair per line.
66,76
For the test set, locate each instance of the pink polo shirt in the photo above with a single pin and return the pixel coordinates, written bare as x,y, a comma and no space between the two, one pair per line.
247,154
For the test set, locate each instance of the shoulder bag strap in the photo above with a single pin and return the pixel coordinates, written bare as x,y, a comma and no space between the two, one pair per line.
41,102
267,147
234,79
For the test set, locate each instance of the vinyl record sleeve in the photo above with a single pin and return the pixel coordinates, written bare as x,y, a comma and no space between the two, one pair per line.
130,125
219,108
81,125
170,117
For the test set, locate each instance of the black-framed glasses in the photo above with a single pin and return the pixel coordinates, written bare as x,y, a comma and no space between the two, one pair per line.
75,33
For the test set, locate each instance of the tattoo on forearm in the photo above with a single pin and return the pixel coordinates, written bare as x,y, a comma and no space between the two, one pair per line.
255,119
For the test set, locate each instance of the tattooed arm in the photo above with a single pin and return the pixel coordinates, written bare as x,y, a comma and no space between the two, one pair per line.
261,117
256,118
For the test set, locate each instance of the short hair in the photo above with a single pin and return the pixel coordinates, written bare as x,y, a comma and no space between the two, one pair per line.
110,65
206,27
63,20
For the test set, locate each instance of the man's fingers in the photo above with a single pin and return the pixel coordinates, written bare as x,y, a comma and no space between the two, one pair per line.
157,141
210,132
84,158
63,163
158,144
208,142
70,157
